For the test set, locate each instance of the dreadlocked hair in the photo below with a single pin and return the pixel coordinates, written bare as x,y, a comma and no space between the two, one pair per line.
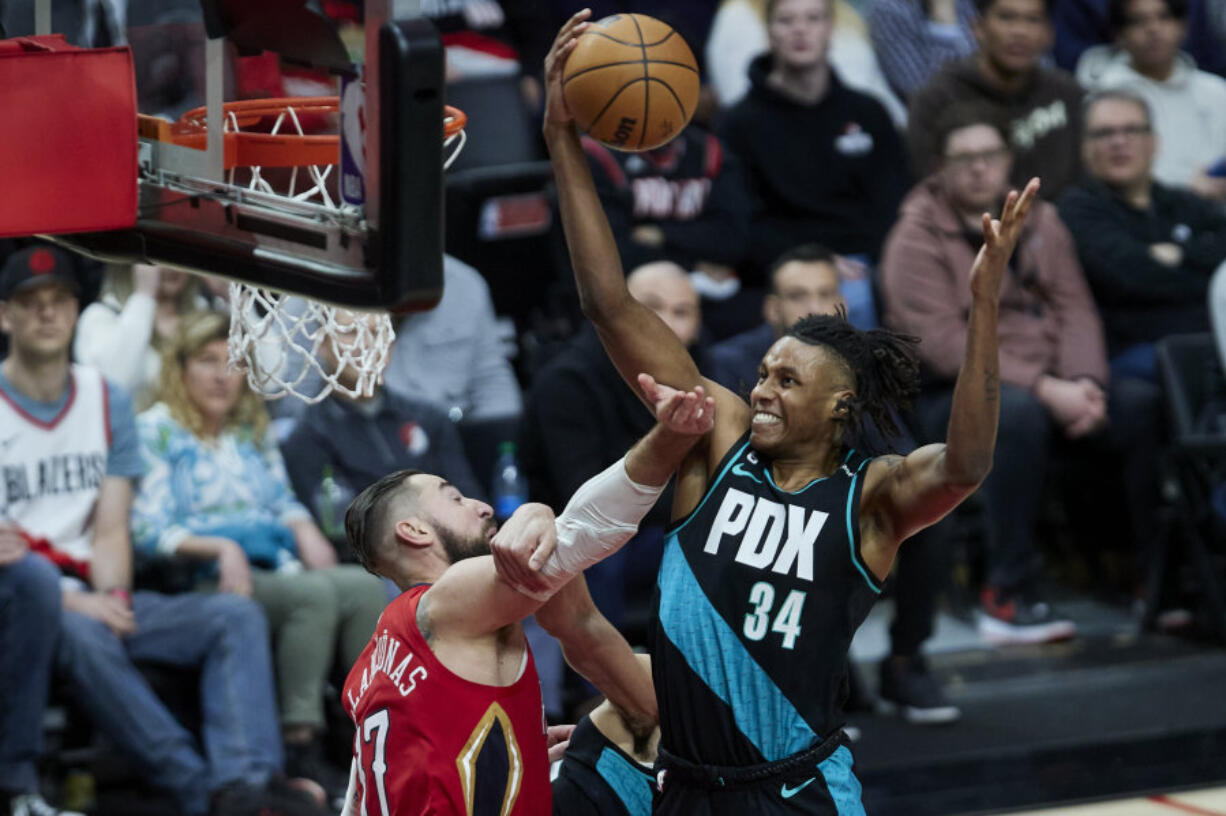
883,363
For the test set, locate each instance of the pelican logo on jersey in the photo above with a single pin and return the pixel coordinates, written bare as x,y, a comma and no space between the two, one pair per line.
761,523
383,660
490,766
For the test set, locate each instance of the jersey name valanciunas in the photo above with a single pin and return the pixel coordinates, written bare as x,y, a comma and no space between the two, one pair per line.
759,594
429,742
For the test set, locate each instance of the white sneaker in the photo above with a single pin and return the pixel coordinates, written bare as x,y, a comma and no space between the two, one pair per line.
31,804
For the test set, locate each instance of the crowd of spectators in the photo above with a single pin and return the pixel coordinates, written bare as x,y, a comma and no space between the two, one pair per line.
842,160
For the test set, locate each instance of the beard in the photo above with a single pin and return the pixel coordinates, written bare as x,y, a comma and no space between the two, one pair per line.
460,547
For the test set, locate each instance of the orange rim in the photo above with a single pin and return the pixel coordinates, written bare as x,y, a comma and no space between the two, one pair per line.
244,149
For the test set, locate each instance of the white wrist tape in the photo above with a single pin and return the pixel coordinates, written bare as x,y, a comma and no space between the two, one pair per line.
603,515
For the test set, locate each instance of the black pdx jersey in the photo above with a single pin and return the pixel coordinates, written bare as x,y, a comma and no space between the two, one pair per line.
759,594
599,779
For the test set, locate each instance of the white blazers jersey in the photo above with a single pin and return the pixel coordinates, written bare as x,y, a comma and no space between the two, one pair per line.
52,471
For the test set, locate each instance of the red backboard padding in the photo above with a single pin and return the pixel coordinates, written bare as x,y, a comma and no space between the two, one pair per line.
68,148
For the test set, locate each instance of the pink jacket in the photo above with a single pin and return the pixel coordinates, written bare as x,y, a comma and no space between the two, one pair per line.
1048,321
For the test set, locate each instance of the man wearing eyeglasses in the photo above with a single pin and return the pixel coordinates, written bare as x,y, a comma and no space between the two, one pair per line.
1055,395
1148,250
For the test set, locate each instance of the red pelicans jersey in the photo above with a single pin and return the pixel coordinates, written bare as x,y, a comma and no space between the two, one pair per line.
429,742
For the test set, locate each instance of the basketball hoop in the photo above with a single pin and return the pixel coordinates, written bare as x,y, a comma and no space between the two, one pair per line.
278,338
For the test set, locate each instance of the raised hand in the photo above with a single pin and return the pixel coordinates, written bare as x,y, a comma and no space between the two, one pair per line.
999,240
556,112
690,413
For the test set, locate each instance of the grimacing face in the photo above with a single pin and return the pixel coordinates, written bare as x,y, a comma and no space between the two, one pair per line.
799,32
794,402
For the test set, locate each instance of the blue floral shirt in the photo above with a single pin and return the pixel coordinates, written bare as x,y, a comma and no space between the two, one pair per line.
234,486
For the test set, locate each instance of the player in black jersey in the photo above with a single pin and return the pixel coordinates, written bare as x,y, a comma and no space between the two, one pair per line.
783,532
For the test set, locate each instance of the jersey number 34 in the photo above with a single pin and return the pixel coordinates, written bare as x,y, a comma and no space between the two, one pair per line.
787,619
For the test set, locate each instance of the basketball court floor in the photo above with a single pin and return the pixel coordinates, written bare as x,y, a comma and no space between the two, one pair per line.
1114,723
1208,802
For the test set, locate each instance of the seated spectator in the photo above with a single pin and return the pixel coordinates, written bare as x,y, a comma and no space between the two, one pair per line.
121,333
824,162
1188,106
738,35
913,38
1053,365
1148,250
452,356
29,627
802,281
216,491
684,202
1040,106
805,281
1082,24
355,441
581,418
69,459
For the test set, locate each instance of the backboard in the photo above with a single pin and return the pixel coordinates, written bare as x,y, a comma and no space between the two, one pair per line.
378,243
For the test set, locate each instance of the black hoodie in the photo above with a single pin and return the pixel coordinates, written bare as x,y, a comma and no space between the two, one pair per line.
832,172
1043,119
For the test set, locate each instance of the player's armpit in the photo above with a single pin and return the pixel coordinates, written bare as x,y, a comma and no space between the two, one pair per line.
906,494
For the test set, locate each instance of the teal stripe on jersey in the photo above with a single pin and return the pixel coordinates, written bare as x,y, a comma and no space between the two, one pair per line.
632,784
851,531
711,488
713,651
842,783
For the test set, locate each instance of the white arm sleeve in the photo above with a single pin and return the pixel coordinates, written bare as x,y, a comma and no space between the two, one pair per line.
603,515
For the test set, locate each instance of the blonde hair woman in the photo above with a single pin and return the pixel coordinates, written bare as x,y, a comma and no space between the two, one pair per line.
121,334
216,490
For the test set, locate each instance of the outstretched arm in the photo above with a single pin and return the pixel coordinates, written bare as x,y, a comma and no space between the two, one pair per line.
605,511
904,495
634,337
595,649
473,597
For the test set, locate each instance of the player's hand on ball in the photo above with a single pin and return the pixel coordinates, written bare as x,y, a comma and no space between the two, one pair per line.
556,112
691,413
522,545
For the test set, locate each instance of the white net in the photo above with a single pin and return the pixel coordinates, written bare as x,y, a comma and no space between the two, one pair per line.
294,346
290,345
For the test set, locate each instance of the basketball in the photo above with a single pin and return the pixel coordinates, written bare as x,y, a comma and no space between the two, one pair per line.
631,82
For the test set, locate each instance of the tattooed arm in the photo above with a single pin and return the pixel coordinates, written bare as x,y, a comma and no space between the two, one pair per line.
902,495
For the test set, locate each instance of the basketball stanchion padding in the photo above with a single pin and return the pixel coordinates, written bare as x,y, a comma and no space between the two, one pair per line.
68,144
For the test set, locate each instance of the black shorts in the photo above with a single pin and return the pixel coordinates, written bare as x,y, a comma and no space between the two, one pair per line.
816,782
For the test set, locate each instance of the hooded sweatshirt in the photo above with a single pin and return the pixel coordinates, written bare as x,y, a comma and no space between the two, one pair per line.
1044,121
831,172
1048,322
1188,109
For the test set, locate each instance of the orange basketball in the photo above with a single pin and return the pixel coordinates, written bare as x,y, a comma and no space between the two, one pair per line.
631,82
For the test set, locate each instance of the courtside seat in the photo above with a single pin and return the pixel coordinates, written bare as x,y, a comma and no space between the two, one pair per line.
1195,392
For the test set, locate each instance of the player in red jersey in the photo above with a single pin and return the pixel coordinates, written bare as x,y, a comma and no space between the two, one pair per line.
446,699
